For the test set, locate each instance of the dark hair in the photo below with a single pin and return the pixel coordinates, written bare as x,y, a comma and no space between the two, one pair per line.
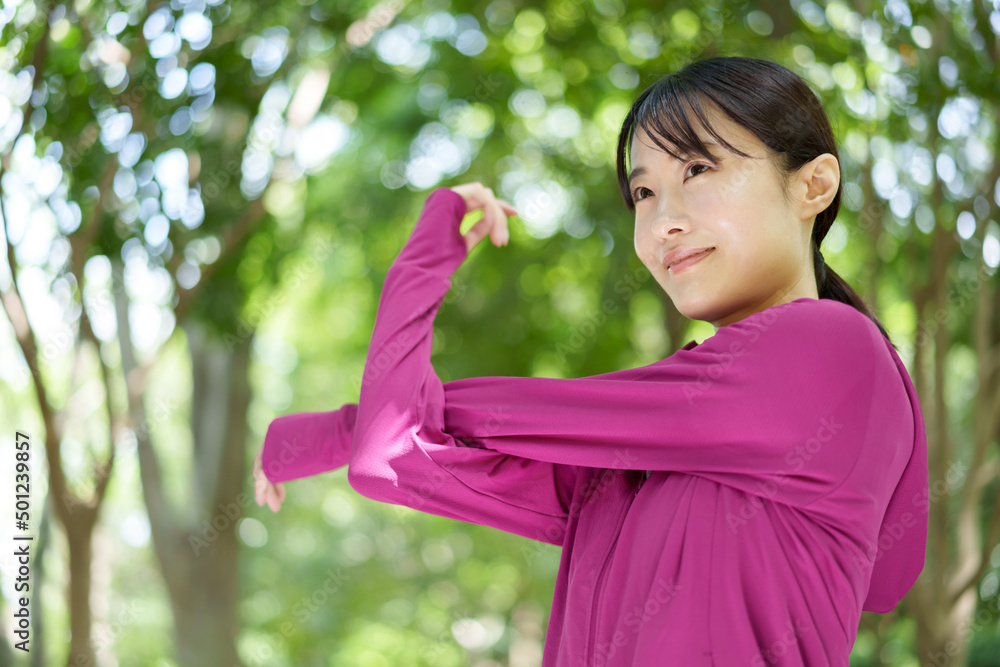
771,102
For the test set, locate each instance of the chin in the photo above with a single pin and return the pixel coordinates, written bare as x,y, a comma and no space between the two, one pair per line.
695,308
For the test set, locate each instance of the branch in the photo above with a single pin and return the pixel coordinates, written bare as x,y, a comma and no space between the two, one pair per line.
13,306
80,239
993,537
983,24
163,527
102,470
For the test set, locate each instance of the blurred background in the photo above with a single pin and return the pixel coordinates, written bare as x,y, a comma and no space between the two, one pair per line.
200,200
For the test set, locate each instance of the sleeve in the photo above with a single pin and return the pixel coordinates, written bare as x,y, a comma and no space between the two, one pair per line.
401,452
777,404
791,429
308,443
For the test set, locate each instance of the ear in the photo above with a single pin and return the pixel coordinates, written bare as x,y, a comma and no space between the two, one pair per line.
819,179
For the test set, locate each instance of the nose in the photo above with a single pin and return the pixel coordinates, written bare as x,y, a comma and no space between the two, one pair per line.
670,217
666,225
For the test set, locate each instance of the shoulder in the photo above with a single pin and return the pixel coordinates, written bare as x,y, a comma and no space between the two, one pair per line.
810,333
809,353
827,317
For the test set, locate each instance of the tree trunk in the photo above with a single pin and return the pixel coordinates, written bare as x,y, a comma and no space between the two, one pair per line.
38,655
205,611
197,551
948,646
79,536
205,605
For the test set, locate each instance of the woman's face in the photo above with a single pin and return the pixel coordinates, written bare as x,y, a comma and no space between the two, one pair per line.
761,250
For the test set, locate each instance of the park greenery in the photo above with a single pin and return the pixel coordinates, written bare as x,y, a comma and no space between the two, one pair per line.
200,201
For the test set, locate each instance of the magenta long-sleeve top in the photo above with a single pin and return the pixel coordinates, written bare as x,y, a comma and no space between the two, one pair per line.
739,502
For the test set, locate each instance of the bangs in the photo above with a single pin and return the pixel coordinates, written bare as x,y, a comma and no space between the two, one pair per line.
674,112
665,115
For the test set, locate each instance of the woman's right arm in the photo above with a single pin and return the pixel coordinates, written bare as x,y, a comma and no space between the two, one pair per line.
521,496
304,444
393,438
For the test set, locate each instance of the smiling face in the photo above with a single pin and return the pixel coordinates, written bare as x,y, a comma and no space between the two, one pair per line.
761,247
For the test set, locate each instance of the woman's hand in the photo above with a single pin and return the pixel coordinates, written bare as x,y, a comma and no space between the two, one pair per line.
263,489
495,212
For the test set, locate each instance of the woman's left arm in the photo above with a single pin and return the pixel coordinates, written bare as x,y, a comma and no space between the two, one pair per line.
782,401
401,453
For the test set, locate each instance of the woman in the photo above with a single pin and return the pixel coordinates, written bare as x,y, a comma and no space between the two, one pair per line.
738,502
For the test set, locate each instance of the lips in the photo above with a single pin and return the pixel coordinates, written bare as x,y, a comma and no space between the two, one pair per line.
686,258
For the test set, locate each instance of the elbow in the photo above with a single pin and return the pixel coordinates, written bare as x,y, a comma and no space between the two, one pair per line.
361,482
379,471
370,485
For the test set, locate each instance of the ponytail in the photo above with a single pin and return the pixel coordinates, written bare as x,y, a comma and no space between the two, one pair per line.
831,286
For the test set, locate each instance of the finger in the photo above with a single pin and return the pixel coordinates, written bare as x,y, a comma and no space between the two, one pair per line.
281,491
501,224
258,487
489,212
476,233
272,499
258,490
490,207
482,227
496,229
508,208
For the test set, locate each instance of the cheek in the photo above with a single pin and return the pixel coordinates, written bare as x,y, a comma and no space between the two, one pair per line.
740,246
642,240
756,258
742,187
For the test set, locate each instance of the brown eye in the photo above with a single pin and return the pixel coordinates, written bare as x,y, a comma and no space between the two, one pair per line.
699,164
635,194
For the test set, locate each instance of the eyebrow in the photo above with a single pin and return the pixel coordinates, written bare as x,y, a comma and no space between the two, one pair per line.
636,173
639,171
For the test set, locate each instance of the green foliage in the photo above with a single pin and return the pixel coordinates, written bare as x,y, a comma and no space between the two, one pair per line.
301,252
